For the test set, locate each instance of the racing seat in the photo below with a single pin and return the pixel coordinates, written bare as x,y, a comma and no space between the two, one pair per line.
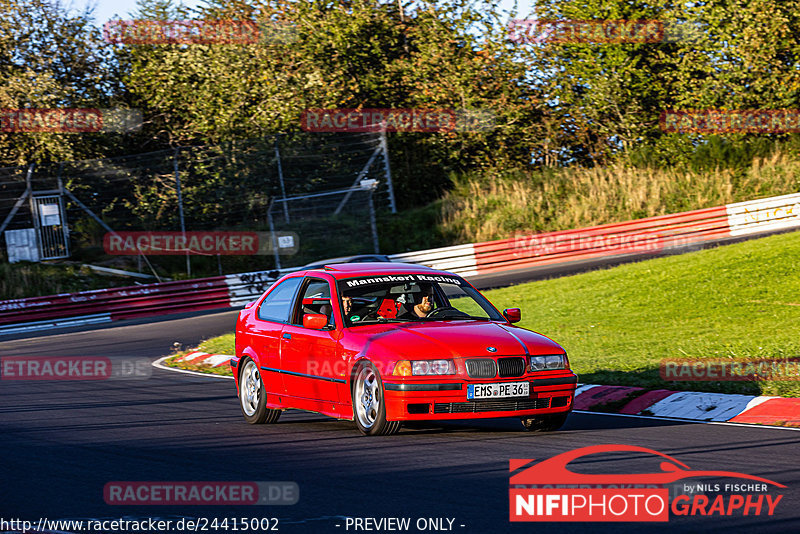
317,305
387,309
327,309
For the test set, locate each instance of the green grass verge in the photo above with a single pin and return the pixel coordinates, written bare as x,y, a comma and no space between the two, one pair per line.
738,302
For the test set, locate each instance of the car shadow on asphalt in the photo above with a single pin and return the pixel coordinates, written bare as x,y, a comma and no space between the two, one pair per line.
576,422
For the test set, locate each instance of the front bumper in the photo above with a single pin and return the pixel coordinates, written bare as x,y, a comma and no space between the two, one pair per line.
551,393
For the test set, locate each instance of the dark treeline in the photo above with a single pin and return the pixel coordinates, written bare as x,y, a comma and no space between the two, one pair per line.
555,104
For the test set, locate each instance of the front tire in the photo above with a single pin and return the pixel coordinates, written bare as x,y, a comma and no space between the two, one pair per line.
544,423
253,396
369,406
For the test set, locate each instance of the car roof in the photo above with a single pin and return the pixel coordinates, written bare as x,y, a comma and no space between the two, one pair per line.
346,259
349,270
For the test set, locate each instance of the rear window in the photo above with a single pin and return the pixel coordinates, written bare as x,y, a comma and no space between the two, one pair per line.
278,304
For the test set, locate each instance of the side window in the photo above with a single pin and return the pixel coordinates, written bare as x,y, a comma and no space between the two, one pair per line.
316,298
278,304
317,289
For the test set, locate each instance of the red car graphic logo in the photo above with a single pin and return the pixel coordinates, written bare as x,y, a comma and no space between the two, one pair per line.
554,470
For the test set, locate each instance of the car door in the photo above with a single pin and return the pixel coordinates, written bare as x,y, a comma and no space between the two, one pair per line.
308,356
268,322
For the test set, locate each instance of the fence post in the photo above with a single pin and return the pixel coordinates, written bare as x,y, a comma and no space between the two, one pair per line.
280,178
272,234
180,210
387,170
34,210
61,207
373,223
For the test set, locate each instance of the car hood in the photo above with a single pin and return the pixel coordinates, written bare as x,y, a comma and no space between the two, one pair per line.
450,339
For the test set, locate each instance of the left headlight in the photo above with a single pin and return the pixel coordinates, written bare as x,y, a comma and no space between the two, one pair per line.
549,362
424,368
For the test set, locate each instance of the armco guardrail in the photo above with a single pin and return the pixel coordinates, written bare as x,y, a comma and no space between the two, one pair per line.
642,236
106,305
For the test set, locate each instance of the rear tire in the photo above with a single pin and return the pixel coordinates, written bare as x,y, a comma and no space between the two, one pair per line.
369,406
544,423
253,396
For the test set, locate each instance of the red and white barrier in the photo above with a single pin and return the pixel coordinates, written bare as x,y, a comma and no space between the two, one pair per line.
766,215
525,251
641,236
113,304
460,259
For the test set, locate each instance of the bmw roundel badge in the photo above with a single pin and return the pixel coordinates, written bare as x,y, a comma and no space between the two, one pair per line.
491,349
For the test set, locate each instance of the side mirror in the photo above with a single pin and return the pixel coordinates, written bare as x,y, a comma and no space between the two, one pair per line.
315,321
249,305
514,315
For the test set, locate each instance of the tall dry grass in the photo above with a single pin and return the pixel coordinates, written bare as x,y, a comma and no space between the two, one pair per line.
481,208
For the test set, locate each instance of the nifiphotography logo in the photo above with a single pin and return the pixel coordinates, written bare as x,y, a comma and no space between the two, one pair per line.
549,491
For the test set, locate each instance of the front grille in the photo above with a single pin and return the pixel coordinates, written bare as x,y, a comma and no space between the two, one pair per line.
504,405
481,368
510,367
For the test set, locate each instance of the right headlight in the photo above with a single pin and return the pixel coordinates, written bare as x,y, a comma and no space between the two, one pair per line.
548,362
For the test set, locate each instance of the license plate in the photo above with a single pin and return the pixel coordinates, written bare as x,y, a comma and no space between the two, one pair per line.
498,391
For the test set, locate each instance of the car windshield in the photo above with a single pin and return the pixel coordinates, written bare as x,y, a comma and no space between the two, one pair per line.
412,298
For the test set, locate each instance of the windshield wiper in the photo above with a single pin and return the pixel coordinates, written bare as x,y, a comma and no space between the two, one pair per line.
382,320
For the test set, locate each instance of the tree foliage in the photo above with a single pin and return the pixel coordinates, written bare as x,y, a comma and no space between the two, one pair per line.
358,54
53,57
554,104
717,54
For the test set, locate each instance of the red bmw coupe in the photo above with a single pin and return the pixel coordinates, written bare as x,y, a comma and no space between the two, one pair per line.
383,343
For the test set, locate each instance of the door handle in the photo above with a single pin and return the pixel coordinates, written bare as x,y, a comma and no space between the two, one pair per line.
287,335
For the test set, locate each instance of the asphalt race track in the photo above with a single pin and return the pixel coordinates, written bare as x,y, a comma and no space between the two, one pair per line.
64,440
